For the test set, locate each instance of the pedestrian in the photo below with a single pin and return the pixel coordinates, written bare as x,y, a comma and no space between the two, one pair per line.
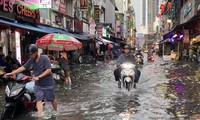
64,63
44,81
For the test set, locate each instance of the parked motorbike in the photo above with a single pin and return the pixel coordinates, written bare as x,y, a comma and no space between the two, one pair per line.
19,96
127,73
151,58
139,59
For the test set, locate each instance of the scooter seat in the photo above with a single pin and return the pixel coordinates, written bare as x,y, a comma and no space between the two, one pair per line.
30,86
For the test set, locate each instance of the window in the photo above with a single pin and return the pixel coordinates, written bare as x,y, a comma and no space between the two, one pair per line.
45,13
69,8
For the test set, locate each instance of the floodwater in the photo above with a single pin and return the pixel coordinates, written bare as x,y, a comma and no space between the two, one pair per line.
165,91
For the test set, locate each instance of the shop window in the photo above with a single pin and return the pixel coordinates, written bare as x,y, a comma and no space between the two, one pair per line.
69,5
45,13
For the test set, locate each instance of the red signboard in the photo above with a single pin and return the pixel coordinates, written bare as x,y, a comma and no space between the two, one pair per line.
59,6
84,4
78,26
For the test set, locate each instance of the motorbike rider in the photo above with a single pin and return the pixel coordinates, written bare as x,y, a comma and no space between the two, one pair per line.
139,53
44,82
123,58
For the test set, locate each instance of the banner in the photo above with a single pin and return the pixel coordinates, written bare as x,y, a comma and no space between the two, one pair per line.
59,6
84,5
44,3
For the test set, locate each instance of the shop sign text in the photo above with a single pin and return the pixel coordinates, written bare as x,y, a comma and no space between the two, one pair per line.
6,5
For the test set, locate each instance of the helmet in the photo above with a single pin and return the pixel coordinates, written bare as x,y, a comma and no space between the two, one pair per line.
32,48
127,47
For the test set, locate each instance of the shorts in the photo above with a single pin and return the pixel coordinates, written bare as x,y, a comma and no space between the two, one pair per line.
45,92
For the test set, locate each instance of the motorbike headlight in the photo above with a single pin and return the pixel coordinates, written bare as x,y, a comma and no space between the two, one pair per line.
15,92
7,91
127,65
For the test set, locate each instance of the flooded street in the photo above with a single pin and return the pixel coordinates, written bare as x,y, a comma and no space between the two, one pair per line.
165,91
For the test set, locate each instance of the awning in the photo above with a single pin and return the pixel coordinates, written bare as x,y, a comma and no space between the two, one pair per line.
79,36
105,41
25,26
168,35
52,29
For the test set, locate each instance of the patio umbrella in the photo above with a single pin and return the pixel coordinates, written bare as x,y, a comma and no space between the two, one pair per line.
58,42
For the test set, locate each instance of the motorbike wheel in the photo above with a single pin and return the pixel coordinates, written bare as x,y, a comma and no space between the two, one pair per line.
128,86
7,113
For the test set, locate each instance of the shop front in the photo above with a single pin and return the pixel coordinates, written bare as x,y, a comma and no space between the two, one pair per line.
18,30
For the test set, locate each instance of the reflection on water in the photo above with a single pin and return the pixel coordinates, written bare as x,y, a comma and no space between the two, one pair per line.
184,91
95,96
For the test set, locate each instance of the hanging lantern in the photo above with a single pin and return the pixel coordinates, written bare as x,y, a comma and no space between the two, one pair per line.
169,4
162,7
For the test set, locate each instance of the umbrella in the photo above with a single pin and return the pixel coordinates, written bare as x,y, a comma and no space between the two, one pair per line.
196,43
58,42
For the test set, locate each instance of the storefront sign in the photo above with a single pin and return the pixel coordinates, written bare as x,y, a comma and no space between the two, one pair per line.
96,14
78,26
84,5
6,5
69,24
24,13
104,32
45,21
59,6
85,27
6,8
188,11
18,46
44,3
92,26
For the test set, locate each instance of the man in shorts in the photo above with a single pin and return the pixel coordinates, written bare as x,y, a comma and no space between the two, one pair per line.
44,82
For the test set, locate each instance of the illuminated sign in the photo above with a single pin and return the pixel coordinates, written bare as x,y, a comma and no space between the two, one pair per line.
18,47
44,3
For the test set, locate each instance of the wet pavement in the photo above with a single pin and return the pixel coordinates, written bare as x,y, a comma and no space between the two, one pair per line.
165,91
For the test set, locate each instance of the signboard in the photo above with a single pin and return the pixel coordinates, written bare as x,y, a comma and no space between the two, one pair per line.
18,47
85,27
92,26
45,21
104,32
186,38
84,5
188,11
6,8
44,3
96,14
24,13
59,6
78,26
69,24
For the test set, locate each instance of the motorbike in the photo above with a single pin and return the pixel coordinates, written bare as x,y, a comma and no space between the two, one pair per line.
151,58
19,96
127,75
139,59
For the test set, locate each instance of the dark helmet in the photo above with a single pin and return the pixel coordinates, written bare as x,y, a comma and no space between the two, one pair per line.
32,48
127,47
